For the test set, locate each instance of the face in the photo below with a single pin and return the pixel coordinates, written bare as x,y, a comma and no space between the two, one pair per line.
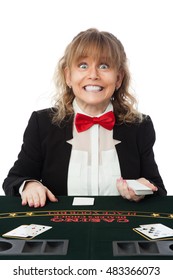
93,83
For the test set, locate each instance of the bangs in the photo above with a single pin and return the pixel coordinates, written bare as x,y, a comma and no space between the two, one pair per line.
99,46
98,53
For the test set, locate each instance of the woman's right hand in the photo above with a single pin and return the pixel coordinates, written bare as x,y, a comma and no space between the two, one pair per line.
35,194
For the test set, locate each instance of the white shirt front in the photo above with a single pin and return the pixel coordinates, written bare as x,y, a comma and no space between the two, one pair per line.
94,165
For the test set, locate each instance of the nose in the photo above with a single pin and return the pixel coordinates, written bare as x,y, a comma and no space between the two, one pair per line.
93,73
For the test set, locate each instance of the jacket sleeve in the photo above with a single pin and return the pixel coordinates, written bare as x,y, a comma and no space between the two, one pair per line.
29,163
149,169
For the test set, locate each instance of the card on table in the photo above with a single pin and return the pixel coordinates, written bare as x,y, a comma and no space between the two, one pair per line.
83,201
21,231
139,188
155,231
26,231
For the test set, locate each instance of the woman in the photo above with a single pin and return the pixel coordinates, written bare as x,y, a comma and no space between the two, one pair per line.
94,138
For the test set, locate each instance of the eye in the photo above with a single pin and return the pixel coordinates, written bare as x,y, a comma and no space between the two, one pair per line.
83,65
103,66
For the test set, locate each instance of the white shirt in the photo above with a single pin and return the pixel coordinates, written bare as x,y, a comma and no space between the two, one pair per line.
94,165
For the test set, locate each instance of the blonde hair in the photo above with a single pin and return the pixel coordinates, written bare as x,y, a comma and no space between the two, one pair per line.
96,44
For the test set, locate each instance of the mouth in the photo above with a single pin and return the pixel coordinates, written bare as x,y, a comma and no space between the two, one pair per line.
93,88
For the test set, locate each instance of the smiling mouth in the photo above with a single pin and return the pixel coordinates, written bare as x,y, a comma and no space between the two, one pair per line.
93,88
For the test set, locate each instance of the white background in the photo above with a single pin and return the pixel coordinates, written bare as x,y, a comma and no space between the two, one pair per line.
10,267
33,36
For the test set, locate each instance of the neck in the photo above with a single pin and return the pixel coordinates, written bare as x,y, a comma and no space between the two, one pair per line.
93,110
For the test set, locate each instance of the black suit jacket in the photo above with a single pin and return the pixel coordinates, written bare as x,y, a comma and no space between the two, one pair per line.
45,154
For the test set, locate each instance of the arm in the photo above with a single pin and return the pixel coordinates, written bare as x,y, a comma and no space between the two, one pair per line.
148,173
149,169
28,167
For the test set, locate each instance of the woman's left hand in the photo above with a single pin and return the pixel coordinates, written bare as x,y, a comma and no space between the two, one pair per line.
127,193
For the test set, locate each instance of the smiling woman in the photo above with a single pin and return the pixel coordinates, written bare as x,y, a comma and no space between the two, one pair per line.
94,138
101,59
93,83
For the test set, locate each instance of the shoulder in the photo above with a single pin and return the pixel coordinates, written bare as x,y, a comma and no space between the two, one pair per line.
143,122
43,115
146,124
47,115
146,133
144,128
40,122
140,128
42,118
146,119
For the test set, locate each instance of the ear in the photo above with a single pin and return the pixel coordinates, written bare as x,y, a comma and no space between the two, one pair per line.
67,75
120,77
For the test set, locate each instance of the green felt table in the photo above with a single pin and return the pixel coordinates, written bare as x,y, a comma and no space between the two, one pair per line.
90,230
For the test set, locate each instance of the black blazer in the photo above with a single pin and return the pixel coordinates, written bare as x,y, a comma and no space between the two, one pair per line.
45,154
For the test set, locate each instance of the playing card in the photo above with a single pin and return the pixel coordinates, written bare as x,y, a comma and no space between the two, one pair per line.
83,201
139,188
34,229
26,231
19,232
155,231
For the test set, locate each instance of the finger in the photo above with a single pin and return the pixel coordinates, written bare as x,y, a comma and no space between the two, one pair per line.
119,185
138,198
148,184
51,196
39,196
37,199
127,194
42,198
29,200
24,200
152,187
123,188
135,197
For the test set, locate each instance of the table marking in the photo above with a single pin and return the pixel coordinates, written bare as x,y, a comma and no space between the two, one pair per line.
88,215
12,214
156,215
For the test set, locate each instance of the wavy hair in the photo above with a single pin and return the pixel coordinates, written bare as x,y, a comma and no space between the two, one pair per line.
96,44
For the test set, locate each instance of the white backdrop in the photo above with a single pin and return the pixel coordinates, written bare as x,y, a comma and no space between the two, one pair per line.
33,35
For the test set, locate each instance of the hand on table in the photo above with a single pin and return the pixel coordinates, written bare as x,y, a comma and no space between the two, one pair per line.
127,193
35,194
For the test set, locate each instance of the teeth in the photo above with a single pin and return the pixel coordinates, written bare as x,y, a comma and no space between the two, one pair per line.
93,88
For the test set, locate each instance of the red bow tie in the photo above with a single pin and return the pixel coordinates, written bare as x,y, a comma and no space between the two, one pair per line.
84,122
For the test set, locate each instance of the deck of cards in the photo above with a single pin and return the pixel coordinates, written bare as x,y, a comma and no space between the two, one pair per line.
26,231
155,231
139,188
